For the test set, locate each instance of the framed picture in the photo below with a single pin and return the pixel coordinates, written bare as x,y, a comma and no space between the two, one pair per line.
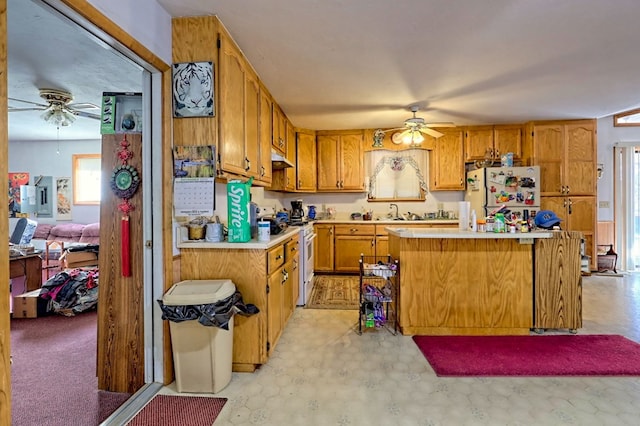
193,89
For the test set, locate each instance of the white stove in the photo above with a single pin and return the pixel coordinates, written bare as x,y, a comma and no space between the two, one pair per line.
307,237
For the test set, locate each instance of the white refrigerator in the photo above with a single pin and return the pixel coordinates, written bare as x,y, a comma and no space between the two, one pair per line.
511,189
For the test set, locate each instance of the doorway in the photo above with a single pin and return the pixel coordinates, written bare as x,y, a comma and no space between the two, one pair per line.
627,196
150,81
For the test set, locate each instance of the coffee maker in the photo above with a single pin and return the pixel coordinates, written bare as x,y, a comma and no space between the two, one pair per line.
297,213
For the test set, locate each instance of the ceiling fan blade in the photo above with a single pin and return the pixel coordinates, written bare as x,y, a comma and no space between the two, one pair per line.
13,109
84,105
431,132
441,124
84,114
28,102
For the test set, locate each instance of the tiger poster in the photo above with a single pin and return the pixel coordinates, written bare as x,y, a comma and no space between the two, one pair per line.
15,180
193,92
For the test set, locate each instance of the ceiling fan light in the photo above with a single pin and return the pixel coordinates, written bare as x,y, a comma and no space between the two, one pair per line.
412,137
58,117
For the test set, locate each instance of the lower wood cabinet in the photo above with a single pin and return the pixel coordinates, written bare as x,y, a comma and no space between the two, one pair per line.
350,242
265,278
323,247
338,246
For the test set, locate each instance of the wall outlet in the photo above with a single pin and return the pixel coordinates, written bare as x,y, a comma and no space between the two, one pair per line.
604,204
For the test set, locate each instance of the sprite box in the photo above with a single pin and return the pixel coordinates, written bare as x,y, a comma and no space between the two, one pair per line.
238,218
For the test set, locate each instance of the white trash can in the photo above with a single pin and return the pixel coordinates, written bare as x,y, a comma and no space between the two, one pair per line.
202,356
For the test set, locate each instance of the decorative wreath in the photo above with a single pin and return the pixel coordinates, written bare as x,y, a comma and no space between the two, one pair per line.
124,181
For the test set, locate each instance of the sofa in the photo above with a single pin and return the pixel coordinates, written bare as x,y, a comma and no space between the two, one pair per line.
68,232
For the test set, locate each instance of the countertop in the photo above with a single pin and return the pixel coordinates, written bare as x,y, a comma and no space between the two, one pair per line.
252,244
391,222
401,232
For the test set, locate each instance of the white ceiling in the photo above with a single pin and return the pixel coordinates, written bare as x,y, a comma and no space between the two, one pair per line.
335,64
338,64
46,51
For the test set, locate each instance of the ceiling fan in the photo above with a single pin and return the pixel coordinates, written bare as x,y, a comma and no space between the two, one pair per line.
58,109
412,131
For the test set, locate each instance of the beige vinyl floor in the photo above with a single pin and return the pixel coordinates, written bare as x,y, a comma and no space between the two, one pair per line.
324,373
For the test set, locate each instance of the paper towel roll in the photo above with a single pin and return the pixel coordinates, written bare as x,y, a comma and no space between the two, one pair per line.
464,210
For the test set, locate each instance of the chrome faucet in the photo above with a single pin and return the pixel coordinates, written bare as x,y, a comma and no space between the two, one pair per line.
396,206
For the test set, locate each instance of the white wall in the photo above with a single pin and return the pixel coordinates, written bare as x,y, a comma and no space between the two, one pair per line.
607,137
144,20
41,158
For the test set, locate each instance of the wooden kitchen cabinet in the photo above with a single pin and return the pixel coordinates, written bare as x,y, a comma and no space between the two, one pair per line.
266,104
323,247
265,278
285,179
490,142
578,213
446,162
350,242
306,169
566,153
279,138
340,161
239,109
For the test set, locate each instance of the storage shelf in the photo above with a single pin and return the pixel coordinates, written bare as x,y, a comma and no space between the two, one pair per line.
378,294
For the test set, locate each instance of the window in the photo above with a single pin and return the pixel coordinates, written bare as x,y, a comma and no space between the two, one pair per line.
627,118
86,179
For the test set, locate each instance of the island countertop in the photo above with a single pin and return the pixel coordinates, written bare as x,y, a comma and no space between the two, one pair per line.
460,234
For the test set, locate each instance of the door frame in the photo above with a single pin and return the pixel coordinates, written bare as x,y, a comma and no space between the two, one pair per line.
86,16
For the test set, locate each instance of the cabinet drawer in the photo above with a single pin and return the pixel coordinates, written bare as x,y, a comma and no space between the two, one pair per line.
291,248
276,258
355,229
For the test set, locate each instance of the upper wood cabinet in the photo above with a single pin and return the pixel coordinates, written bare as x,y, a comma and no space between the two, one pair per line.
446,162
285,179
239,110
340,161
265,136
306,161
279,138
481,142
566,154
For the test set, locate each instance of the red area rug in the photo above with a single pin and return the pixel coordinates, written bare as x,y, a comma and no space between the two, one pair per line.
169,410
551,355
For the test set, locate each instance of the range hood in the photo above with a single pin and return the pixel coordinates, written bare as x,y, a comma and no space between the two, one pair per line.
279,162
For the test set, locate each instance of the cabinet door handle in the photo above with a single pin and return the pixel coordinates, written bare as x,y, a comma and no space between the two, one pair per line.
567,189
352,230
278,257
299,182
337,184
262,171
373,243
285,276
247,164
570,205
295,265
497,151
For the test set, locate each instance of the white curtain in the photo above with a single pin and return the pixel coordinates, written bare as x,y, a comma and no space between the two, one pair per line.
397,174
627,202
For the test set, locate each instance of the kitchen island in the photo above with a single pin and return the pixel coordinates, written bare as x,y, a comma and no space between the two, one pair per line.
455,282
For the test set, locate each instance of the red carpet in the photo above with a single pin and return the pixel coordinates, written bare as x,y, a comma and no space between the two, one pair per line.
551,355
169,410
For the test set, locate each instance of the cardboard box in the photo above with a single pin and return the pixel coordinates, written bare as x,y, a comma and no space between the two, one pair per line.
77,259
29,305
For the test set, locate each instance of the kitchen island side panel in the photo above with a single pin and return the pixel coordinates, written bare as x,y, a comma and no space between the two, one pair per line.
464,286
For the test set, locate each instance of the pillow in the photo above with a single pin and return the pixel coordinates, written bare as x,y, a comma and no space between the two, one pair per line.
91,230
42,231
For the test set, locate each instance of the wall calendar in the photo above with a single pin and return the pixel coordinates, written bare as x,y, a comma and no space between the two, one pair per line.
194,171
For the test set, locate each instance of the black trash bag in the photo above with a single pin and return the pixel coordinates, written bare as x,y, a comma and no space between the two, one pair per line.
215,314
